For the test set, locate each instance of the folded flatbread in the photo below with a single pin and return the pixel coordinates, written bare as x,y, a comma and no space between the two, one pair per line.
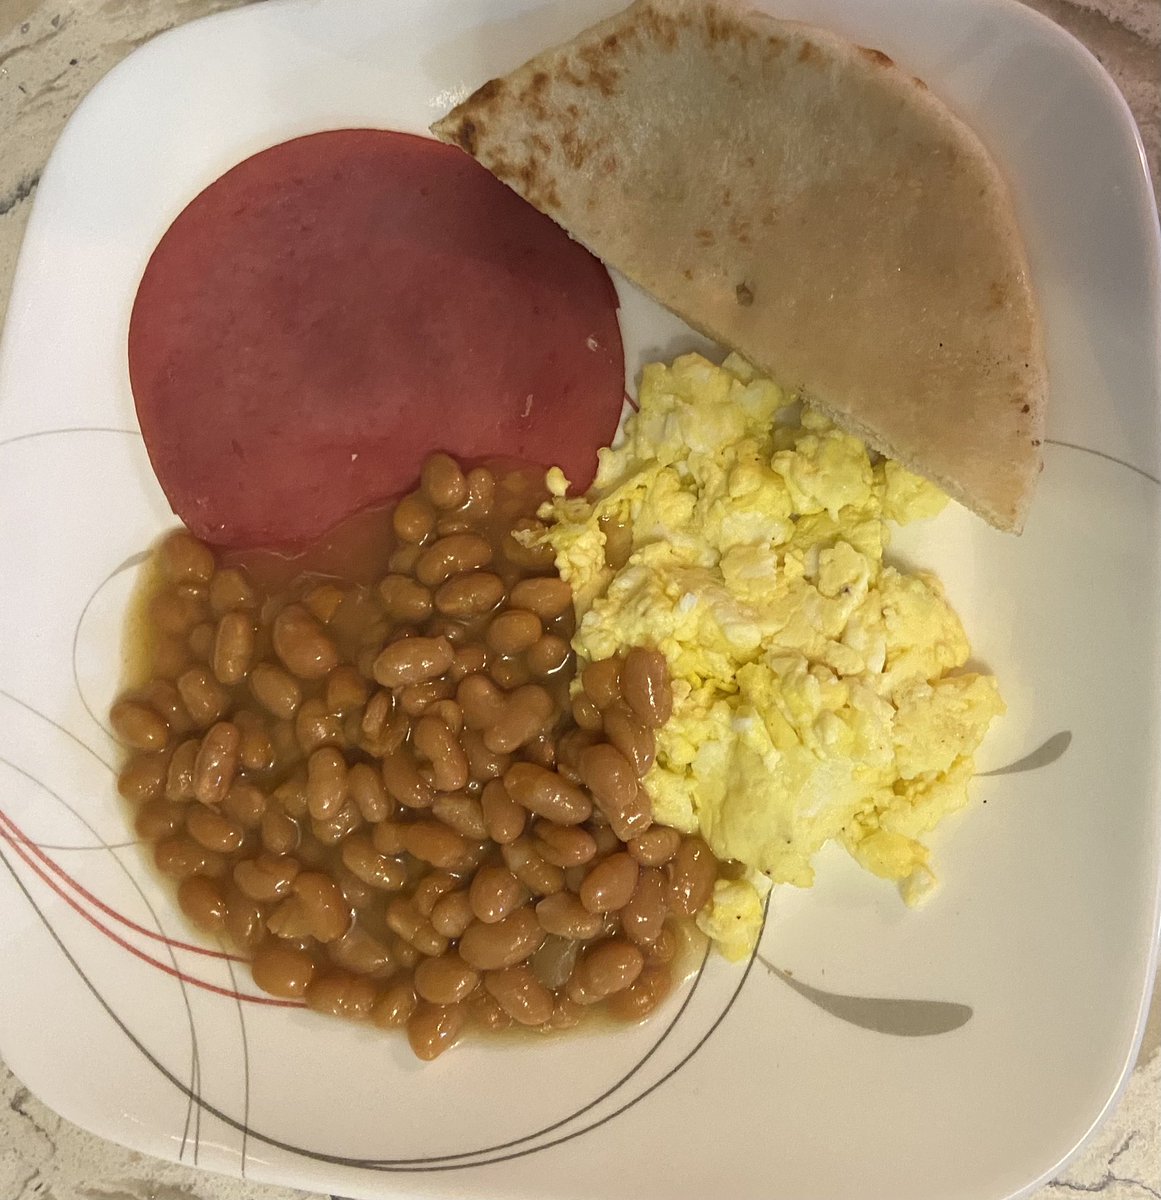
805,202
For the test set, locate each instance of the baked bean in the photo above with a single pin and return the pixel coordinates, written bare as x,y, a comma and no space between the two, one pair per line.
395,1006
403,559
359,951
387,837
503,943
377,715
316,907
569,749
547,655
656,846
449,712
547,598
382,871
290,794
216,763
456,521
158,819
356,893
436,742
630,737
634,818
470,595
233,648
547,794
524,545
520,994
692,872
645,683
563,845
245,922
231,590
468,660
413,660
367,791
213,830
514,631
539,877
404,953
413,928
339,994
403,782
663,949
323,601
541,751
443,482
481,492
503,816
445,980
201,641
483,764
181,857
326,782
525,713
452,914
404,599
301,645
494,893
565,916
432,1028
311,853
416,698
255,746
481,702
143,778
609,966
431,889
462,813
282,970
434,843
279,833
602,682
164,699
266,877
276,690
565,1014
452,555
333,829
609,776
607,841
184,559
586,714
509,671
203,696
202,902
245,803
641,997
346,690
609,884
486,1013
413,519
643,917
176,611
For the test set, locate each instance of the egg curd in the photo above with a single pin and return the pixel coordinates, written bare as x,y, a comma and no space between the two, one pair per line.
817,690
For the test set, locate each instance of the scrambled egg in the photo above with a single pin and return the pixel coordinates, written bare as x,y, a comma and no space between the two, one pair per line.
817,690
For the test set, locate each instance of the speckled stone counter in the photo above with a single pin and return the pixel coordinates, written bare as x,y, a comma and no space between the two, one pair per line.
51,54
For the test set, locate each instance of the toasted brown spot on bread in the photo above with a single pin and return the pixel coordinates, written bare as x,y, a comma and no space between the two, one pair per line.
877,56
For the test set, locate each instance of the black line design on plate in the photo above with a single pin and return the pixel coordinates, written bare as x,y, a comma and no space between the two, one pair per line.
196,1065
245,1066
1043,756
26,437
900,1017
1108,458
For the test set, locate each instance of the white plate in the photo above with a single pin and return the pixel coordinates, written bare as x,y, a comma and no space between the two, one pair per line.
751,1084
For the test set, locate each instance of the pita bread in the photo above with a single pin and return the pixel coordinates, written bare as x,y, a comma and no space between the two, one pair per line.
804,201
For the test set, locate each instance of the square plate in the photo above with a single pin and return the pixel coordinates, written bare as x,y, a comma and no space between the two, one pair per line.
770,1079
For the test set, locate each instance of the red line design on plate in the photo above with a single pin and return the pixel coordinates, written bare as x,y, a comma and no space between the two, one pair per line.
55,867
29,854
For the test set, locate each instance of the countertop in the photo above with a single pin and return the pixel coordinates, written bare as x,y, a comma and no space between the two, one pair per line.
51,54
